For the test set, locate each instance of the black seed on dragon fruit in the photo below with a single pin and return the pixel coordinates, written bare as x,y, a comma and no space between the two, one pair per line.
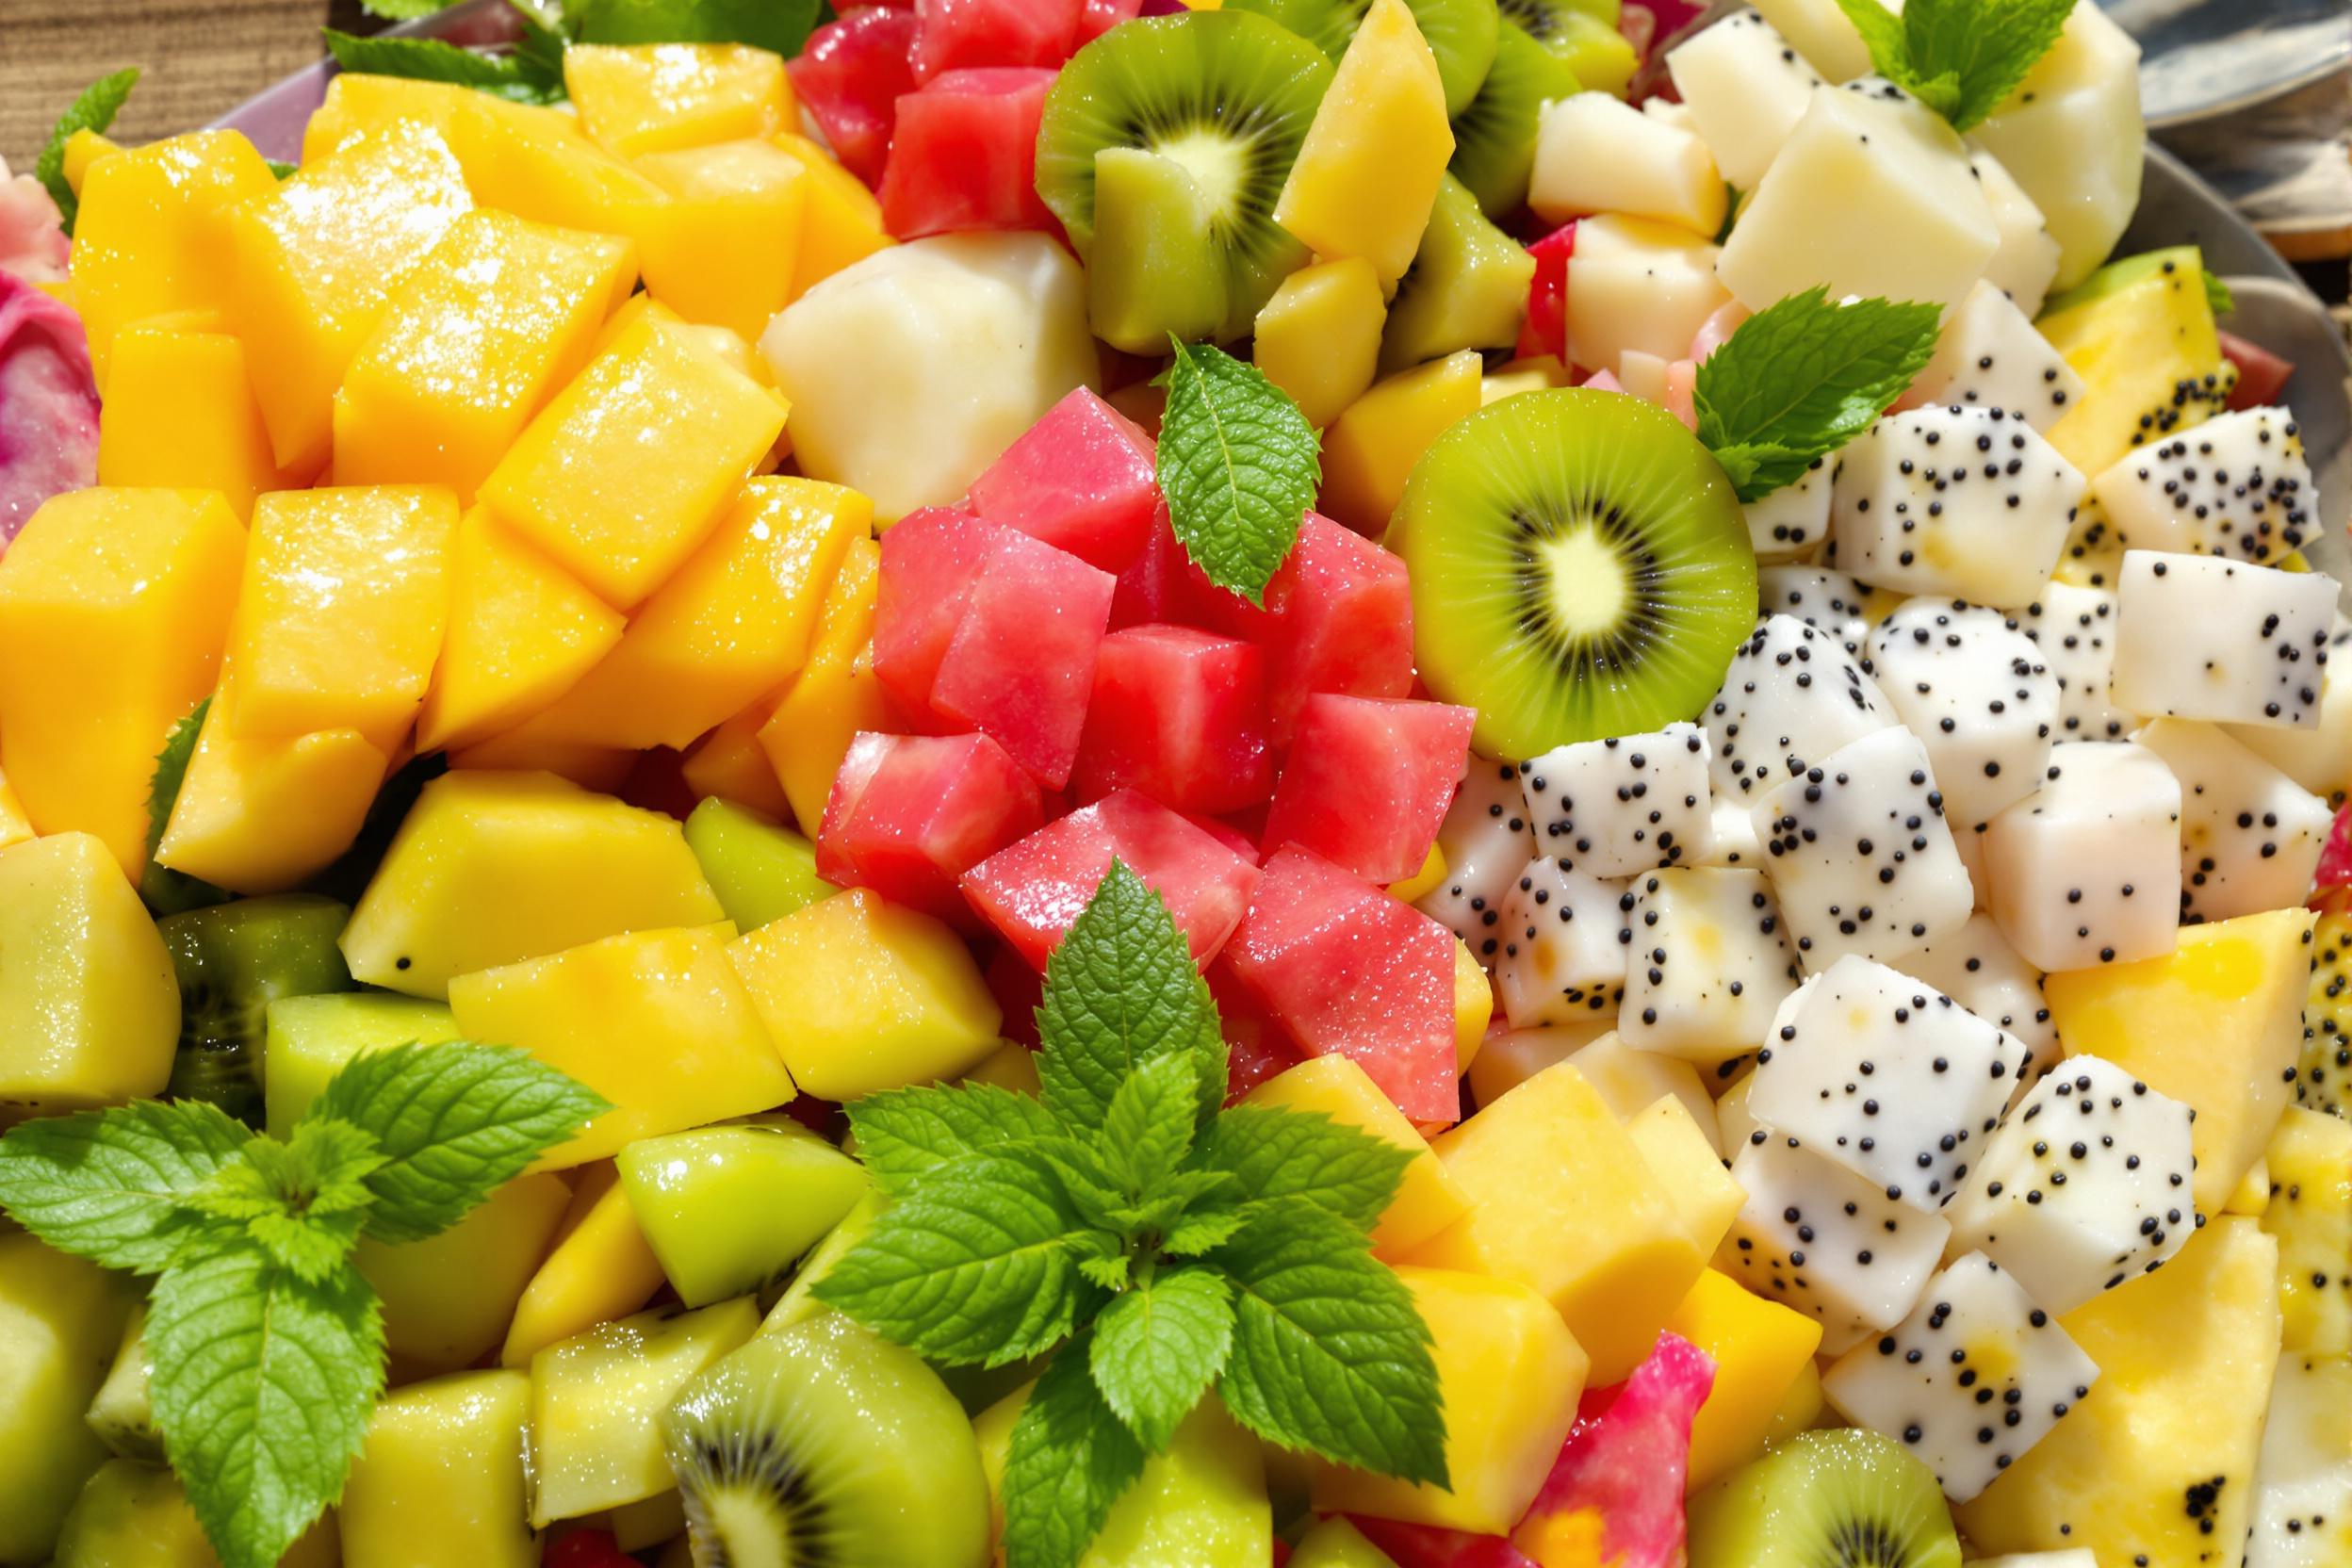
1792,691
1978,696
1793,519
2236,485
1563,943
1486,839
2319,759
1631,803
1709,964
1989,357
1977,968
2086,871
1824,600
2201,638
2075,628
2322,1079
2250,835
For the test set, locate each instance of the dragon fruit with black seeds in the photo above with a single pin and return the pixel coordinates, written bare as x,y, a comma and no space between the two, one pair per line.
1824,600
2236,485
2250,835
2199,637
1486,839
1564,938
2086,869
1792,691
1977,968
1793,519
1979,697
1989,357
1627,804
1708,966
2075,628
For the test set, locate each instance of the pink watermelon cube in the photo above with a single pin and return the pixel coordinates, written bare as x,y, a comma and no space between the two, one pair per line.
1625,1460
1103,15
1348,968
1160,585
1019,991
958,35
1428,1546
964,155
930,559
1082,479
1367,781
1242,844
1256,1047
850,79
1032,891
911,813
1546,329
1337,617
1020,666
1179,714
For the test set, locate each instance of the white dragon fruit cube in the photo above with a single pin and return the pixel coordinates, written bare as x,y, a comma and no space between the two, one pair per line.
1791,691
1860,855
1731,839
1979,697
2086,869
1793,519
1824,600
2250,835
1972,1379
1564,938
2083,1187
1977,968
1709,965
2202,638
1626,803
2236,485
2302,1510
1814,1237
1968,502
2320,759
1746,87
1486,839
2028,256
2075,628
1888,1077
1988,356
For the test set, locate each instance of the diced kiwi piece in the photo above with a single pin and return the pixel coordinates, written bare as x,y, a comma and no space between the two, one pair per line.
799,1301
1155,267
1227,94
761,870
1843,1498
1466,288
121,1413
727,1208
309,1039
233,960
1580,568
1494,134
1583,35
1460,34
824,1443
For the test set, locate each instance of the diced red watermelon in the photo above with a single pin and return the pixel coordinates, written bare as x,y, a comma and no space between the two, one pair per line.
1256,1047
850,79
1337,617
1348,968
956,35
911,813
1619,1478
1032,891
930,558
1546,329
1082,479
1179,714
1239,840
1019,991
1020,666
964,155
1103,15
1425,1546
1162,585
2262,375
1367,781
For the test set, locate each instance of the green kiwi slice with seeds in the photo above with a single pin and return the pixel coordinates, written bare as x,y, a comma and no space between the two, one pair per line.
1495,137
232,961
1583,35
1843,1498
1460,33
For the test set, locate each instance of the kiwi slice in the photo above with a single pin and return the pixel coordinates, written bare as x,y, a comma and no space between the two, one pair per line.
1581,34
1466,288
1494,136
1580,570
1843,1498
821,1445
233,960
1460,33
1228,95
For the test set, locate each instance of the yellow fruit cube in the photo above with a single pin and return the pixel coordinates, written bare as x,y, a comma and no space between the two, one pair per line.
1510,1374
311,1038
1474,1006
259,814
494,868
1319,337
600,1268
501,313
1365,176
313,261
1427,1199
729,763
443,1477
82,149
15,826
60,1319
1369,450
840,220
90,1009
603,769
2217,1025
861,996
2311,1214
1761,1351
722,248
1542,373
638,98
1012,1066
2252,1195
447,1299
114,605
836,694
1426,880
339,619
632,464
180,413
1804,1408
1689,1173
656,1021
1561,1198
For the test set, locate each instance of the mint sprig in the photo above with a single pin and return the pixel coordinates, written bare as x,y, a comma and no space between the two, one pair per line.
1238,464
1960,57
1154,1245
268,1344
93,110
519,77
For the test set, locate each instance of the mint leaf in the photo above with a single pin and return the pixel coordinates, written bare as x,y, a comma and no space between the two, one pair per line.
404,10
1882,35
1088,1179
1803,377
1960,57
93,110
1119,989
262,1383
1279,1154
1158,1346
167,891
516,77
1069,1459
1203,1228
905,1134
280,169
541,46
453,1121
303,1201
1238,464
1148,1130
780,25
2217,296
1166,1204
1329,1354
109,1186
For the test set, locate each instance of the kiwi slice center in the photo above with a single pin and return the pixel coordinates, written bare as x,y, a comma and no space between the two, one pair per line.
1586,584
1218,164
1868,1543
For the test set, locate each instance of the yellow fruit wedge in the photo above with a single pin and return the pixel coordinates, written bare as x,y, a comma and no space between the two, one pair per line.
445,1464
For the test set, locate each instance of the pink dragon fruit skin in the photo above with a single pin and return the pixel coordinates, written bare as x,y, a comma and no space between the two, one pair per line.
32,233
48,403
2335,860
1627,1456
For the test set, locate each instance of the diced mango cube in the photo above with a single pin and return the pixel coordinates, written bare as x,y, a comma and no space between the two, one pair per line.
15,826
836,694
1474,1003
1428,1200
633,464
90,1009
600,1268
603,769
862,995
180,413
311,1038
1319,337
723,248
114,605
1760,1349
1426,880
729,763
500,314
444,1472
447,1299
1690,1175
638,98
1370,450
841,220
360,104
82,149
261,814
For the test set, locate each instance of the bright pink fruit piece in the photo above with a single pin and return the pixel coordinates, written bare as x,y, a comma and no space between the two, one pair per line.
956,35
1368,780
1424,1547
1348,968
1018,990
1546,329
1233,838
1103,15
1082,478
1626,1456
964,155
1179,714
2262,375
1338,618
1256,1045
48,403
1032,891
1162,585
850,79
930,559
1020,666
911,813
2335,856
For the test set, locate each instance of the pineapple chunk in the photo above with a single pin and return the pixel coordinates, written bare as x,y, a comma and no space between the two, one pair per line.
90,1009
1318,338
1762,1350
600,1268
2310,1213
443,1464
446,1299
1427,1199
60,1319
1370,450
1595,153
1690,1172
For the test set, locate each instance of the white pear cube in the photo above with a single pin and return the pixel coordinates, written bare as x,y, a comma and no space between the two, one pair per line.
1746,87
1709,964
2028,256
2202,638
2250,837
1822,34
1596,153
1627,804
1636,284
2086,871
1989,357
1564,946
2072,137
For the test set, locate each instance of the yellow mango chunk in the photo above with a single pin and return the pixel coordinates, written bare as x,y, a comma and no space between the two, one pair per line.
447,1299
840,220
2310,1213
315,261
15,826
259,814
1366,175
1426,880
1369,450
837,694
1541,373
443,1464
861,996
2252,1195
1761,1351
1691,1174
2217,1025
60,1319
632,464
1474,1004
722,248
82,149
637,98
90,1009
180,413
603,769
151,236
1427,1199
1319,337
339,620
1510,1374
656,1021
521,631
599,1268
1561,1198
501,313
114,605
493,868
729,763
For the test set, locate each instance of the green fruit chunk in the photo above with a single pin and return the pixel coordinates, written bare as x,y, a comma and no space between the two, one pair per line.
233,960
60,1321
1155,269
310,1039
1495,135
1581,35
121,1414
1337,1543
1460,33
799,1303
88,1010
761,871
727,1208
1467,287
1846,1496
131,1515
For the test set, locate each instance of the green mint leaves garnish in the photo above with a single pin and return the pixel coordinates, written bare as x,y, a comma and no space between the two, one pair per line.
93,110
1803,377
167,891
1960,57
1238,464
2217,296
519,77
780,25
1155,1244
268,1344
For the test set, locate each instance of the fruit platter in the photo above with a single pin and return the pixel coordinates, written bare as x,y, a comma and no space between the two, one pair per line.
1158,784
